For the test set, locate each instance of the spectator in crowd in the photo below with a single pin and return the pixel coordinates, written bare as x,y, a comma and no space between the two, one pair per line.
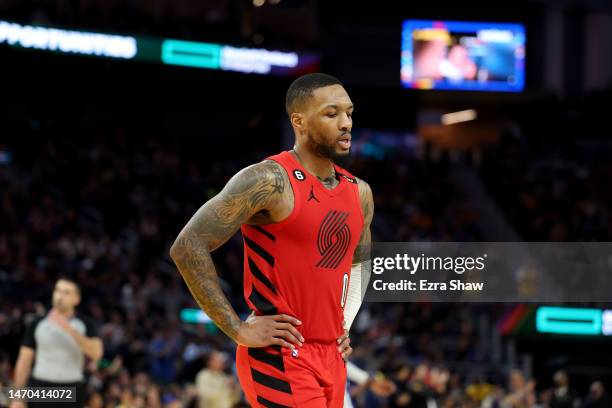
215,388
164,350
597,396
522,392
562,395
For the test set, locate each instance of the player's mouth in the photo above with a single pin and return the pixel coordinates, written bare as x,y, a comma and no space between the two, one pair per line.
345,142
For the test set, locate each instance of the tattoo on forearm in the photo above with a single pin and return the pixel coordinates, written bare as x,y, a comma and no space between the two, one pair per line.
250,191
362,252
196,266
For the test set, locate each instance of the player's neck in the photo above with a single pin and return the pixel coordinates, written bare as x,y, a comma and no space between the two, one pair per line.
321,167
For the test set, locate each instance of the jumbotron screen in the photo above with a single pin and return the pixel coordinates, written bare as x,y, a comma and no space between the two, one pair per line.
455,55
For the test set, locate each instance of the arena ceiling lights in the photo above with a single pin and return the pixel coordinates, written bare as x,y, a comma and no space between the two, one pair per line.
164,51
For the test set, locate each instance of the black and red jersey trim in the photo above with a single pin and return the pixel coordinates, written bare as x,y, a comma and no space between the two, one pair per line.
259,250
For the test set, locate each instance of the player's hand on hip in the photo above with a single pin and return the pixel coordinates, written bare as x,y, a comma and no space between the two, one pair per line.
344,345
262,331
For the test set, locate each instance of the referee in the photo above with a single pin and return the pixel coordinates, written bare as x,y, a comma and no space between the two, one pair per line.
57,344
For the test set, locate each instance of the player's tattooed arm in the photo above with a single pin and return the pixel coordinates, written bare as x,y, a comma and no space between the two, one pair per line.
360,269
255,188
362,252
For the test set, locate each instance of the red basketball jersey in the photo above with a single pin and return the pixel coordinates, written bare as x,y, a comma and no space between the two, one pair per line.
301,265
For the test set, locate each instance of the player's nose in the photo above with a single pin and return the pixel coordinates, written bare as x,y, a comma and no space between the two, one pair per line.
346,124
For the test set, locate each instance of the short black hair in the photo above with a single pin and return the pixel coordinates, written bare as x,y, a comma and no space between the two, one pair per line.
301,89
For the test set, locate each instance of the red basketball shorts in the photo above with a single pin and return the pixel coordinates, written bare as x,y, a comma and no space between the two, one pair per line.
272,377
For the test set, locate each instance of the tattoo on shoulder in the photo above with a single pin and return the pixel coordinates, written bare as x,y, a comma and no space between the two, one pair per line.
251,190
278,184
248,192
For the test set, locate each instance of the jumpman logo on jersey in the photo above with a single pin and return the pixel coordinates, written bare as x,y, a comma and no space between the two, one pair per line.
312,196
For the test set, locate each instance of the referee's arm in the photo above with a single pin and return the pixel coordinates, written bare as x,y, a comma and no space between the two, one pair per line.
91,346
27,352
23,366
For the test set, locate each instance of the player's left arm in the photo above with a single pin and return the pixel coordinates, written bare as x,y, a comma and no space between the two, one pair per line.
359,267
361,257
362,252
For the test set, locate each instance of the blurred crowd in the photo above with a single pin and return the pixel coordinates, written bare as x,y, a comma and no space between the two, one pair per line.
102,203
104,208
559,194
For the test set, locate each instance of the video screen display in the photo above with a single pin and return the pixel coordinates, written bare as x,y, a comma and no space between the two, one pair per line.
455,55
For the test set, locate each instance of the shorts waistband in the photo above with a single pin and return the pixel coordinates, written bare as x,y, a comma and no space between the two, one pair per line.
321,342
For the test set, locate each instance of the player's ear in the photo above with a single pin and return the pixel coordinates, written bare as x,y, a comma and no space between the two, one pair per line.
298,121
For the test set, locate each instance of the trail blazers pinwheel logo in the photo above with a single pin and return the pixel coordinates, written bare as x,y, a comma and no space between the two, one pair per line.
333,239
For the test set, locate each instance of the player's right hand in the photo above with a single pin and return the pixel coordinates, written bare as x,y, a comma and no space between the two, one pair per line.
262,331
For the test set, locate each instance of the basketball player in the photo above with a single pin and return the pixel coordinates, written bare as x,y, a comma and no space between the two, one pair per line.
57,344
306,224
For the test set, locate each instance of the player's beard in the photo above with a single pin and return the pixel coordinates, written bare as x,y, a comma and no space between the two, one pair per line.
328,151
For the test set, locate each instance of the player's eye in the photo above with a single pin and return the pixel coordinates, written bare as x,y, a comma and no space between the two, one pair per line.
330,115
